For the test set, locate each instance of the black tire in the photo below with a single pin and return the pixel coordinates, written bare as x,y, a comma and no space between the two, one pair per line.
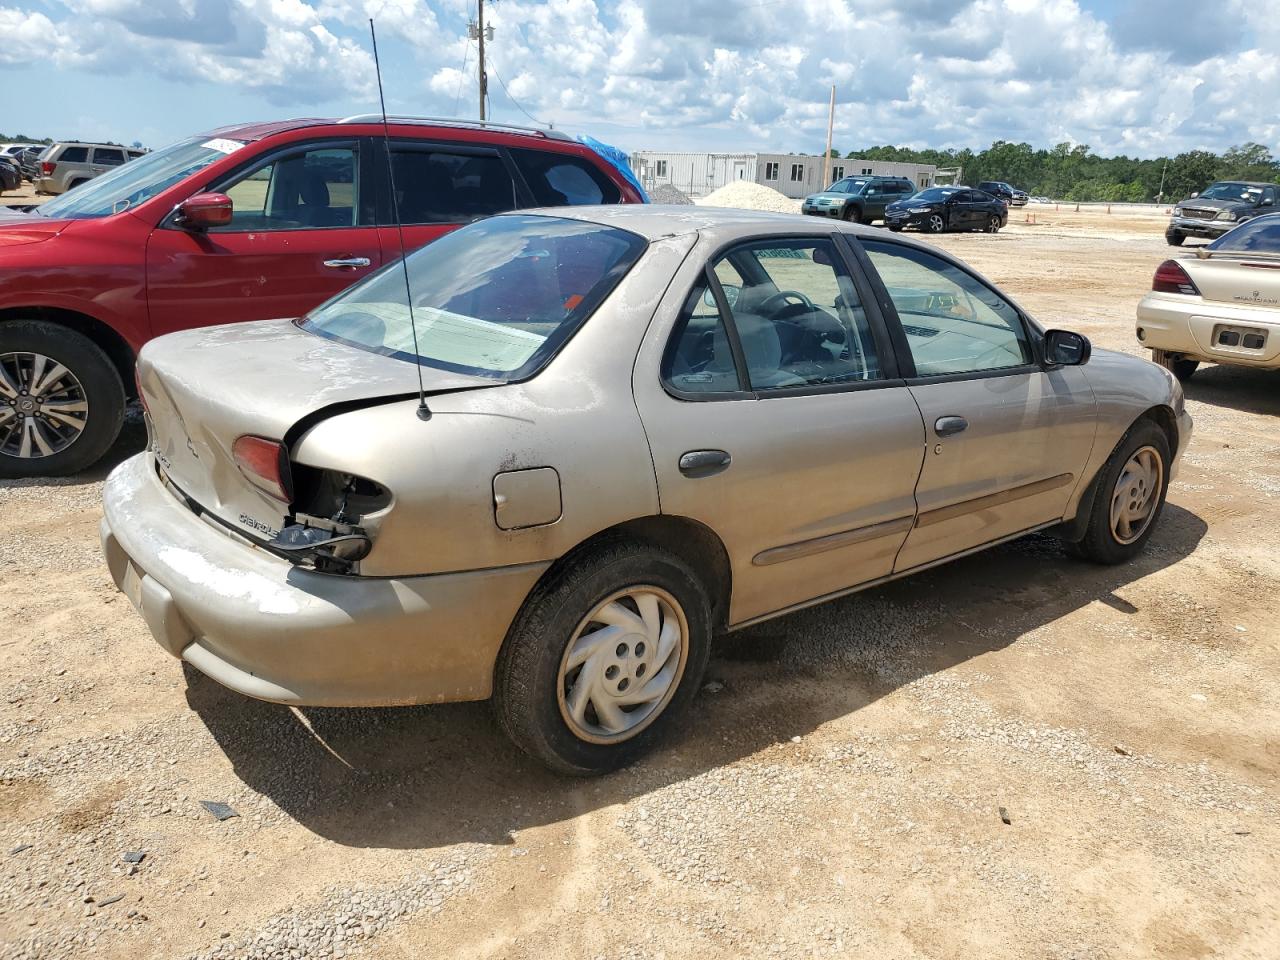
895,228
1180,367
525,695
1100,544
935,224
851,214
1174,238
103,392
993,224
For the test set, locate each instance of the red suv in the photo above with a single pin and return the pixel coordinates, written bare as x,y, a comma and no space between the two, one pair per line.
245,223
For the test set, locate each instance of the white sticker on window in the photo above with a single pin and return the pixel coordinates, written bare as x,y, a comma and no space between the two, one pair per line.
224,146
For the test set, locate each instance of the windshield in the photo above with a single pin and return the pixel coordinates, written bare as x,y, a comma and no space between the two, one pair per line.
847,185
1259,235
934,194
494,299
138,180
1232,191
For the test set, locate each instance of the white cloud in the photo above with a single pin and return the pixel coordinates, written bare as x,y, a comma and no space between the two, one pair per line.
706,74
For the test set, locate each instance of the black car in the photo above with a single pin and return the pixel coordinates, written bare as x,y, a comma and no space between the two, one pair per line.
858,199
10,175
1009,194
1219,208
948,208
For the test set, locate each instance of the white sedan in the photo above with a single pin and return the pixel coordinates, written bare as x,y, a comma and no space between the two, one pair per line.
1221,305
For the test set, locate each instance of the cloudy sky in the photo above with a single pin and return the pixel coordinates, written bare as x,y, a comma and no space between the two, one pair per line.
1141,77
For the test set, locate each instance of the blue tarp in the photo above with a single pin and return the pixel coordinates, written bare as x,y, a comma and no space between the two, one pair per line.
617,159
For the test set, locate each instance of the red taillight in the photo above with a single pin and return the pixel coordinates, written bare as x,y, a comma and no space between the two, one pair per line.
47,168
265,464
1171,278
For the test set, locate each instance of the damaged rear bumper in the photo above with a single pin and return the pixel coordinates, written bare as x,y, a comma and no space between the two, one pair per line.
271,630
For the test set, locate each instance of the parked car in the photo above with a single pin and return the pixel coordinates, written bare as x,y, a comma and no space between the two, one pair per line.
1009,194
1218,209
14,151
29,161
246,223
948,208
860,199
1220,306
638,427
10,174
65,166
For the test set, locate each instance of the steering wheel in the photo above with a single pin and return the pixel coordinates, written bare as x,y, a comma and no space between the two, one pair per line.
783,298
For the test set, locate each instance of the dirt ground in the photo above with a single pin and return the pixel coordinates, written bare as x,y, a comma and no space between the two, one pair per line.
839,794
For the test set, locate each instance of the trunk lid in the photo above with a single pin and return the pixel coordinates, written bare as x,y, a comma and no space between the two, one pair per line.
1241,280
205,388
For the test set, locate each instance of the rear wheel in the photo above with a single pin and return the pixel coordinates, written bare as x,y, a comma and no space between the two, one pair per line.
993,224
1130,496
1180,367
602,656
935,223
1175,238
61,400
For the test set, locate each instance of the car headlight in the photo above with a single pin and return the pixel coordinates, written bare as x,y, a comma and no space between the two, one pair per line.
920,209
1225,215
1177,211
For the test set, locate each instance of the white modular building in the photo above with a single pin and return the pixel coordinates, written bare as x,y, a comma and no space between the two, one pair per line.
791,174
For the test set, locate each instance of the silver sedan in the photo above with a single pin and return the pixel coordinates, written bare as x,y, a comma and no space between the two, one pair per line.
592,438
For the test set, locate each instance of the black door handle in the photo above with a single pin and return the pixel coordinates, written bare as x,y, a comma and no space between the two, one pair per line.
703,463
950,426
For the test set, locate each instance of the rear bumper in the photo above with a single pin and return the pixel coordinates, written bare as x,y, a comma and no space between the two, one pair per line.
270,630
1193,328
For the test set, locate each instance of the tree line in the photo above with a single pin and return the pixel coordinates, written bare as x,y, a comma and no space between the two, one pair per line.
1067,172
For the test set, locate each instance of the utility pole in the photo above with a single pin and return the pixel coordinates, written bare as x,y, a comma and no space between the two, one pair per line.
826,156
476,30
1160,195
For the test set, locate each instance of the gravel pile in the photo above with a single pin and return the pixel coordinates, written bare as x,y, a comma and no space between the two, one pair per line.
750,196
666,193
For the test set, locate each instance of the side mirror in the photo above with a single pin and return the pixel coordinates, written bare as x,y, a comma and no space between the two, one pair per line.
204,210
1196,194
1266,202
1062,348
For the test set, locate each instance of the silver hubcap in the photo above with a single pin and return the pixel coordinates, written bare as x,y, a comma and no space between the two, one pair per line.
1133,502
623,665
993,225
43,409
935,223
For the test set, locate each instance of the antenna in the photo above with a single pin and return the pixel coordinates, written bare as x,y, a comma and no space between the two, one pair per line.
423,412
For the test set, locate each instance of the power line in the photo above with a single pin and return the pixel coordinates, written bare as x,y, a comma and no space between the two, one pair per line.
513,99
462,76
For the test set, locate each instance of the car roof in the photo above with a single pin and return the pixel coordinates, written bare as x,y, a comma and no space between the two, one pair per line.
654,221
262,129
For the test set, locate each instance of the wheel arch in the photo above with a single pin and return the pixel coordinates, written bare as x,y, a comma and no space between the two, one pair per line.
117,349
693,542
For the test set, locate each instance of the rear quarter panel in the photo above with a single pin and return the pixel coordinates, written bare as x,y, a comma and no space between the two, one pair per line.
577,417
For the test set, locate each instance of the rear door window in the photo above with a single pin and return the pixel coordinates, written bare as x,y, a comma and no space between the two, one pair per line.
559,180
444,186
108,157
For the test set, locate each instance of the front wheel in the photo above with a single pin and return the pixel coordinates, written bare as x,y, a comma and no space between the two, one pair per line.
1180,367
1174,238
993,225
895,228
1130,496
935,224
603,655
61,400
851,215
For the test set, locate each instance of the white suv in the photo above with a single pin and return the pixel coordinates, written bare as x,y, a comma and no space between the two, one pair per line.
69,164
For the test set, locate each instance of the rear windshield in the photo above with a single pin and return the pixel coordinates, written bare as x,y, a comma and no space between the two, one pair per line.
494,299
1259,235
